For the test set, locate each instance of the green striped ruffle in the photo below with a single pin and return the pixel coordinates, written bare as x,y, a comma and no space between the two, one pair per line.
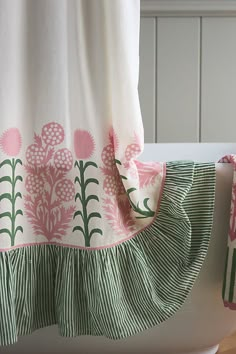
119,291
229,283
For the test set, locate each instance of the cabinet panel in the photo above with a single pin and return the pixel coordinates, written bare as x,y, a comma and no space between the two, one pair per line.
178,78
218,79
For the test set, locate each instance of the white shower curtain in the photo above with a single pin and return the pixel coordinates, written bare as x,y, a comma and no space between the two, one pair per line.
90,238
69,78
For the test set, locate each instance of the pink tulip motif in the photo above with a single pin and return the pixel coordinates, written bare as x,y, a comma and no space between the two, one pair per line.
84,148
48,203
10,144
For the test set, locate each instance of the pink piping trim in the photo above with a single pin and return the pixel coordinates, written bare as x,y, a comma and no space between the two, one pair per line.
102,247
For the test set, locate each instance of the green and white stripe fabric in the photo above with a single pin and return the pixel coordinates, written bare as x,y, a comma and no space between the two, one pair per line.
118,291
228,291
229,283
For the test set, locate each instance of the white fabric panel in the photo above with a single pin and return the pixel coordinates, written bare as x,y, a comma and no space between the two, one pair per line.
147,77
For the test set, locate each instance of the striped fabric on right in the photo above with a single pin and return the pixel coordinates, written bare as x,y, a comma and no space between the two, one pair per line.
228,290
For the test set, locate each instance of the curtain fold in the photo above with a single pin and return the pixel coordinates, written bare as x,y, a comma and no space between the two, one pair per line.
91,238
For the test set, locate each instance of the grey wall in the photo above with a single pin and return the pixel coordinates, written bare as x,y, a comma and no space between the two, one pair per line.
187,80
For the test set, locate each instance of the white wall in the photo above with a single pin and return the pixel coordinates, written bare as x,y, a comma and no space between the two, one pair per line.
187,80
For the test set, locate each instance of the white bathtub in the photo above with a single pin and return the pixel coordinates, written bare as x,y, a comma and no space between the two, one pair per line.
202,322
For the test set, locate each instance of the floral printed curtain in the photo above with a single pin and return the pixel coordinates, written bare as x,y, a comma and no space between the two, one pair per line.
68,89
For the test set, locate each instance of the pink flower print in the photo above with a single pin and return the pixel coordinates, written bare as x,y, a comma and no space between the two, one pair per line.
53,134
35,155
148,172
10,142
109,185
65,190
34,184
108,155
118,214
132,170
83,144
112,184
132,151
113,139
108,152
63,159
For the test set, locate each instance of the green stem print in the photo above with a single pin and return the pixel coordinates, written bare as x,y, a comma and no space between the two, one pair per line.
84,200
12,197
146,212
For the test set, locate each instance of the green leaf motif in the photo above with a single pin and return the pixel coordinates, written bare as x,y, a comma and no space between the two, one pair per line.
3,231
19,228
17,195
91,197
78,196
95,231
6,162
84,200
78,212
19,212
6,179
6,196
118,162
145,204
79,228
18,161
76,164
130,190
7,213
18,178
146,213
90,180
77,180
90,163
12,198
94,215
